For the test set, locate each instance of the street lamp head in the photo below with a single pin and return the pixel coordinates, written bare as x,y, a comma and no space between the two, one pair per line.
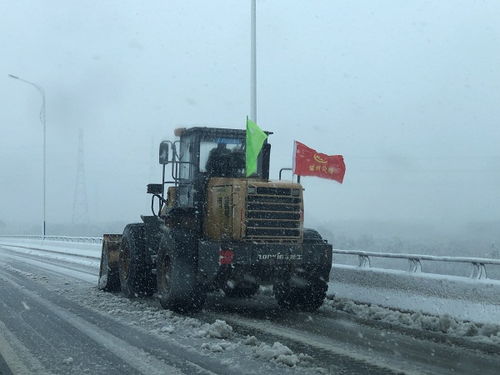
13,76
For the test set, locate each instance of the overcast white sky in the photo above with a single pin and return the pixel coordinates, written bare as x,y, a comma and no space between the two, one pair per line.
408,92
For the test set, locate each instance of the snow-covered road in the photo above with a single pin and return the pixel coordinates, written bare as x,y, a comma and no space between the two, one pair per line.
54,320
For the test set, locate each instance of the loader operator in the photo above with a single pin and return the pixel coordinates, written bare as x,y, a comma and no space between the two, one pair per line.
222,162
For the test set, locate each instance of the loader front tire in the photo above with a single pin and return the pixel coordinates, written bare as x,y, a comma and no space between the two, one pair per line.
135,277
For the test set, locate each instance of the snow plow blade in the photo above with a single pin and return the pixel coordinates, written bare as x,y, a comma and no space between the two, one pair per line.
109,279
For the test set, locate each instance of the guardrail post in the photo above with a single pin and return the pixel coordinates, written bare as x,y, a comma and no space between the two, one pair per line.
478,271
364,261
414,265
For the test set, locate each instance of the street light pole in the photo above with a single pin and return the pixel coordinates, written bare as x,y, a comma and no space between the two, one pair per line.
253,62
42,120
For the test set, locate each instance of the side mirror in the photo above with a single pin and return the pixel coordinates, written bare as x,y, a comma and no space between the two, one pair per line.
155,189
164,152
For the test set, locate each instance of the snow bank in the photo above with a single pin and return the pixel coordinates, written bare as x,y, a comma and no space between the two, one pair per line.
220,330
461,298
277,352
486,333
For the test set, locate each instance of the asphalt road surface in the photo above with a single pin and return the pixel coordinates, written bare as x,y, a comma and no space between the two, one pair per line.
53,320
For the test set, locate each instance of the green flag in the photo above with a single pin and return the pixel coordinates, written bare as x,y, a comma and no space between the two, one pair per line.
255,140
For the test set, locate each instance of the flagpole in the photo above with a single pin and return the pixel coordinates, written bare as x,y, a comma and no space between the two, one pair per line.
253,62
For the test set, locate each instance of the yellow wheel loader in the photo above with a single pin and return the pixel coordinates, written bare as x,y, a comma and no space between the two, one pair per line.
216,229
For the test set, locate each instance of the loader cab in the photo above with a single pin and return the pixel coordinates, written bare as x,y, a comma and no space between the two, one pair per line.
212,152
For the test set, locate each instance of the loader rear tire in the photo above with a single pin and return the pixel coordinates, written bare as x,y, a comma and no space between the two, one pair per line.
308,297
135,276
176,274
304,291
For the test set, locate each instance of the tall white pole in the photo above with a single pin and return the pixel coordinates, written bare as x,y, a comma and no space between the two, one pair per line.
44,157
253,63
44,162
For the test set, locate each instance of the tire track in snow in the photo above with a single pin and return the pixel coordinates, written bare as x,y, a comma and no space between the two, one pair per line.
18,359
133,356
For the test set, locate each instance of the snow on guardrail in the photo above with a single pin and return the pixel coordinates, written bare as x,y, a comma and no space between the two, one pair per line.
55,238
87,247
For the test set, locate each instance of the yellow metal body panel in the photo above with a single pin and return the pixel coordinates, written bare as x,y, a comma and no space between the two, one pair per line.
171,192
231,202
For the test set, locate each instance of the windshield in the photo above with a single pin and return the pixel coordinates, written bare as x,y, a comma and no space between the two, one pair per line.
223,157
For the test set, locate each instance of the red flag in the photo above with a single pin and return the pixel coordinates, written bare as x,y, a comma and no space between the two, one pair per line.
309,162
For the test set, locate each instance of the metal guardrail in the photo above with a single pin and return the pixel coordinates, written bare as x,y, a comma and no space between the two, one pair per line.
58,238
415,261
